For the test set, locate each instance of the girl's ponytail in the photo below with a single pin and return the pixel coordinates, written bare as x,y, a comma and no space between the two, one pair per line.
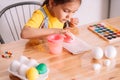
45,2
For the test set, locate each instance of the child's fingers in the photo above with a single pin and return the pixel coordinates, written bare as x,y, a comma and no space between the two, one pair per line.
69,34
74,21
68,37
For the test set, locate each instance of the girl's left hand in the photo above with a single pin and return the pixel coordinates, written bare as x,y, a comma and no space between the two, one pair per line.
74,22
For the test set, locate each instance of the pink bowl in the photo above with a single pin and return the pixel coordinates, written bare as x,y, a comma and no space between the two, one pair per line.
55,38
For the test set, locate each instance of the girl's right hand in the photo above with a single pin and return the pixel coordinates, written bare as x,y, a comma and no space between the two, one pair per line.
68,37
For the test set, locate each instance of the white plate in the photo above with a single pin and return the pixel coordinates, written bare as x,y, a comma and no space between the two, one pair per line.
76,46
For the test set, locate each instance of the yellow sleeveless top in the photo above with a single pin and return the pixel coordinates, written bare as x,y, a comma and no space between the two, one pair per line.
37,18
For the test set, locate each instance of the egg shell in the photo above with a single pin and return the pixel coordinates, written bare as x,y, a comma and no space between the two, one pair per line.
107,62
110,52
97,66
22,70
14,66
97,53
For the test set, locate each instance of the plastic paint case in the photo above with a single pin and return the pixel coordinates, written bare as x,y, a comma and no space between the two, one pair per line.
106,32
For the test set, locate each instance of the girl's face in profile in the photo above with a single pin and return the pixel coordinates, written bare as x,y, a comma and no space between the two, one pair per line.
65,11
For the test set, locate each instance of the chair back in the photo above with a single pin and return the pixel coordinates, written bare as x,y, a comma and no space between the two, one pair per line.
13,17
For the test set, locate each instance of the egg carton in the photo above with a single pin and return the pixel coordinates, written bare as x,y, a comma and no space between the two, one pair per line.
24,63
77,45
41,77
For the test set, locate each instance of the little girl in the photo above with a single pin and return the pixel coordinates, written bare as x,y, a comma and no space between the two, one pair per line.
51,18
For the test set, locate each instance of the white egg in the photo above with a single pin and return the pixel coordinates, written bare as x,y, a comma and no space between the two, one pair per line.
32,62
23,59
14,66
97,66
110,52
107,62
22,70
97,53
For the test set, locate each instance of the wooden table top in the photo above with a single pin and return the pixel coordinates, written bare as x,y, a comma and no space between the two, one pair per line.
66,66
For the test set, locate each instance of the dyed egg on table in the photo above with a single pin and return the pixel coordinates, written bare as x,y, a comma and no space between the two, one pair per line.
31,70
42,68
32,74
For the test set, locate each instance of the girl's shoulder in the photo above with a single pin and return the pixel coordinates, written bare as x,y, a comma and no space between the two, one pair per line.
38,11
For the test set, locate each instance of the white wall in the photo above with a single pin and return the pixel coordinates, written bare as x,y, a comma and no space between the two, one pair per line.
115,8
92,10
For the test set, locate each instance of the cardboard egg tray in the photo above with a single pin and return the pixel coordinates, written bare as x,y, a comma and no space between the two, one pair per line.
21,77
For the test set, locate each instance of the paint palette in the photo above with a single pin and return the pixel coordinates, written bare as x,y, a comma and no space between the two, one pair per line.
105,31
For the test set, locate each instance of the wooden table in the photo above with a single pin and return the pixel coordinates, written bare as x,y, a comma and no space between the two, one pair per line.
66,66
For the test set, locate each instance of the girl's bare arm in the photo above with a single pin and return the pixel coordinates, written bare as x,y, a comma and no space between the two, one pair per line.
29,33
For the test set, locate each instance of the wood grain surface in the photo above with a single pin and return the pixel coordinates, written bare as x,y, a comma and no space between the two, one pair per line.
66,66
